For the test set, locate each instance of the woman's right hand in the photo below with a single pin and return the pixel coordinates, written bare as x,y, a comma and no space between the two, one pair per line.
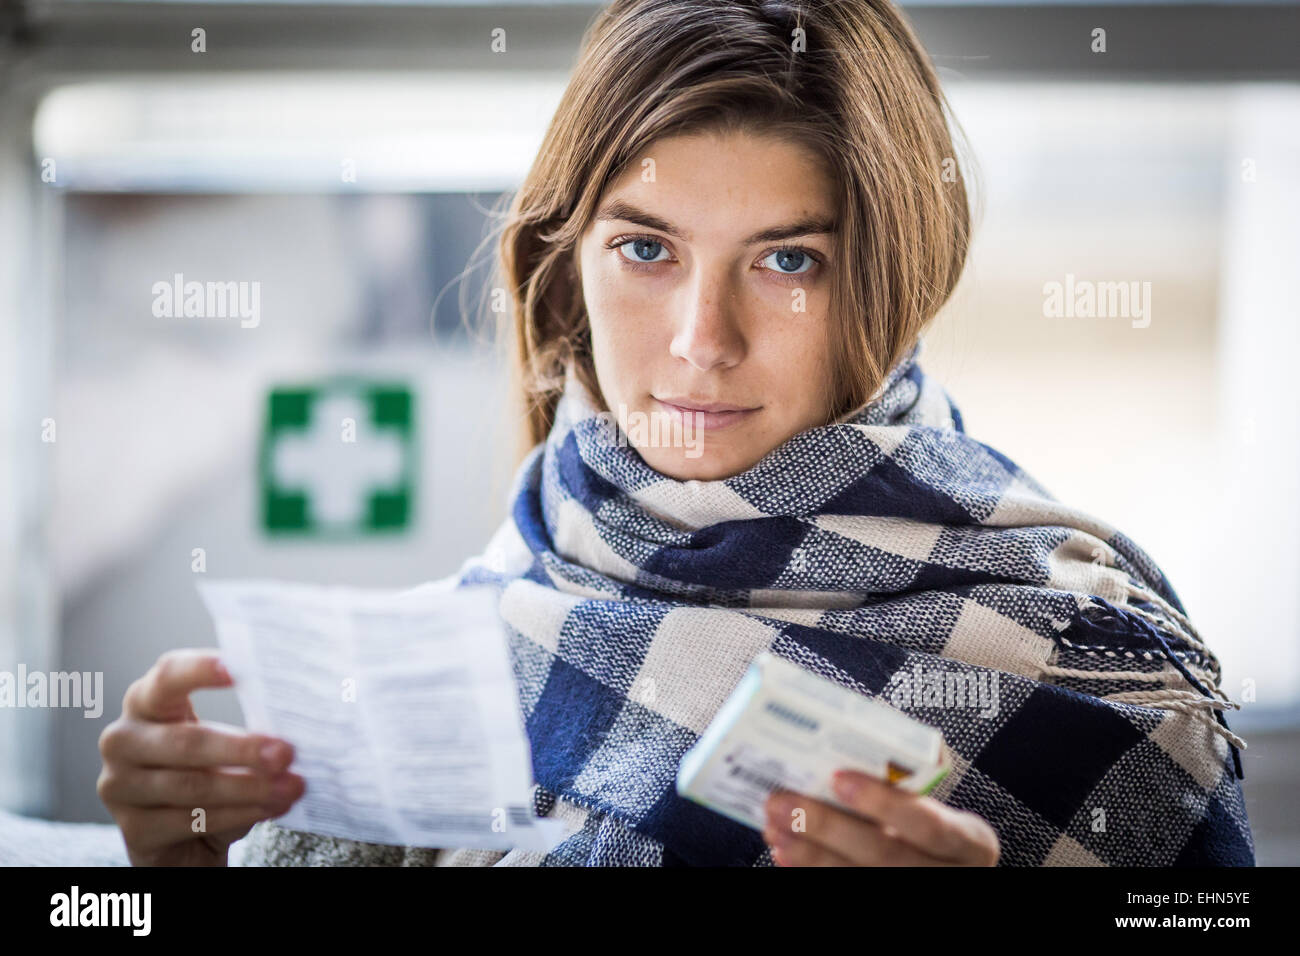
161,763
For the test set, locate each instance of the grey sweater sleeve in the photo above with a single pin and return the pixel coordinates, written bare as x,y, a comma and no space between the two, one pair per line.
270,845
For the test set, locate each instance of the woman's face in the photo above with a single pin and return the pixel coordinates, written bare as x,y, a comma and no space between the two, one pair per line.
706,277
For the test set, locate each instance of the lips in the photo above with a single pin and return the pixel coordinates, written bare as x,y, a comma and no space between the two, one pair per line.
711,415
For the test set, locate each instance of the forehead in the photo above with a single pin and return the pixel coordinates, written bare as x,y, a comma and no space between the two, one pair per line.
724,183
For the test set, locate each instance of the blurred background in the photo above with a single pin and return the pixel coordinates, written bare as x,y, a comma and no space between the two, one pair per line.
338,167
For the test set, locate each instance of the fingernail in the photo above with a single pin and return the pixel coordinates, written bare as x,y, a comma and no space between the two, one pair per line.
273,754
846,787
223,674
281,788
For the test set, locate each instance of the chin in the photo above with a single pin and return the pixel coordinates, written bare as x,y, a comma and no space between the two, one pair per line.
714,464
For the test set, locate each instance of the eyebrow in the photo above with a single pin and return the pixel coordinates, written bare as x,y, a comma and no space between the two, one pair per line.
621,210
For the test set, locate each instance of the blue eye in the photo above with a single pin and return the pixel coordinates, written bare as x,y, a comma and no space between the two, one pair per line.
642,248
789,260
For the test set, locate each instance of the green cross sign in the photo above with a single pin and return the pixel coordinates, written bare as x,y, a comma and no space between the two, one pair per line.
338,459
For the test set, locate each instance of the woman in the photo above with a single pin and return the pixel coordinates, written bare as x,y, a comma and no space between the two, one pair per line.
741,219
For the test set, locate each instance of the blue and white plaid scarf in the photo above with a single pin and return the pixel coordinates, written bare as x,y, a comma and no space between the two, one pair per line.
889,552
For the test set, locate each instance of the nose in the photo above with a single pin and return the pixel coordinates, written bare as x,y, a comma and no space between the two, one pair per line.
707,333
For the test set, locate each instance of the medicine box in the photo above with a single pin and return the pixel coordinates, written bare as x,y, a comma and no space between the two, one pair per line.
784,727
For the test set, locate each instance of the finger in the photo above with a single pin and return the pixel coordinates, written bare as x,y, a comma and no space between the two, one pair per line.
148,830
199,787
170,746
162,694
793,850
859,841
924,822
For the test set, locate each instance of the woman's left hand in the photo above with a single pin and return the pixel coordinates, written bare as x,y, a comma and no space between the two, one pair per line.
903,829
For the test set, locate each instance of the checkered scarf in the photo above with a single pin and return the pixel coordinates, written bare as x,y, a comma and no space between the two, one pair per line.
891,553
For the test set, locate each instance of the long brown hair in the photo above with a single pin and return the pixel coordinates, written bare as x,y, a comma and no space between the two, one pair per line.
847,78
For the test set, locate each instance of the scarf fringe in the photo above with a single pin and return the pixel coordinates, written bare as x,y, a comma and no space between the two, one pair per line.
1205,700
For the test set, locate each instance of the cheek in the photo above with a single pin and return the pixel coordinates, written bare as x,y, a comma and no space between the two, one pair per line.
796,354
624,318
797,336
614,297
